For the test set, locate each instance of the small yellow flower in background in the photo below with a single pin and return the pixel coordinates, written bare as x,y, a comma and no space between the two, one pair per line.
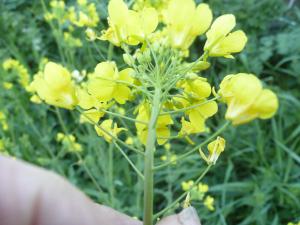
91,34
220,42
3,149
57,4
72,41
246,98
7,85
20,70
129,26
209,203
203,188
55,86
129,141
185,22
172,158
162,129
36,99
57,11
108,129
187,185
215,148
196,192
69,142
108,83
85,15
3,121
167,146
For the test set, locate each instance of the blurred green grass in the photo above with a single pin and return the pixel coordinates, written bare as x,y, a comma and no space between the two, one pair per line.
257,179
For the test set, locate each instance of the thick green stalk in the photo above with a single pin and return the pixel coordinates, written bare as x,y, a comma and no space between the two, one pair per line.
149,157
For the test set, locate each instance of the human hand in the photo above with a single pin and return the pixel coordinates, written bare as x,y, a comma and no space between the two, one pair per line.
33,196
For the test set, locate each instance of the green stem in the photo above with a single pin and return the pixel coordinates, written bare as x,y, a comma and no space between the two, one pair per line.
124,117
196,148
108,133
149,158
183,195
65,130
129,161
111,173
110,51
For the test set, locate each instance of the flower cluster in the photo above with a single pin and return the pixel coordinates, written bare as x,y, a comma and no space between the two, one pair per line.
83,14
246,98
3,121
161,62
290,223
19,70
198,193
166,96
65,19
69,142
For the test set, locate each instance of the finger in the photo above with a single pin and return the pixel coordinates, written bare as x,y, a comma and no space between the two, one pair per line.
33,196
187,216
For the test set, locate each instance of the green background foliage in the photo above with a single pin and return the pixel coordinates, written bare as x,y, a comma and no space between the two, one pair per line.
256,180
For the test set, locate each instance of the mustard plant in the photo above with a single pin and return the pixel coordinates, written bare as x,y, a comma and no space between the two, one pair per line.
159,88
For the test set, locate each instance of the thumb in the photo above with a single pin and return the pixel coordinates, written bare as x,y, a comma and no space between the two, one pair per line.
187,216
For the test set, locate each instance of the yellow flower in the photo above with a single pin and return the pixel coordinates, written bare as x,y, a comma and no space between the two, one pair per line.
195,86
129,141
55,86
209,203
3,121
185,22
86,16
187,185
91,105
69,142
72,41
162,126
215,148
91,35
159,5
201,113
36,99
220,42
203,188
246,99
7,85
129,26
108,83
172,158
108,130
196,90
19,69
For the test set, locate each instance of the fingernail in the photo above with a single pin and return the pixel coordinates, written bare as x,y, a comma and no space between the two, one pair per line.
189,216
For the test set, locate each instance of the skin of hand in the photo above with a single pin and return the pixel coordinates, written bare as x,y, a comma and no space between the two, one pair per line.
33,196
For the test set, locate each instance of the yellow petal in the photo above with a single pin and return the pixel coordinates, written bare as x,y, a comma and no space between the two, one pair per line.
164,133
202,19
149,18
118,11
219,29
266,104
197,120
121,93
233,43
